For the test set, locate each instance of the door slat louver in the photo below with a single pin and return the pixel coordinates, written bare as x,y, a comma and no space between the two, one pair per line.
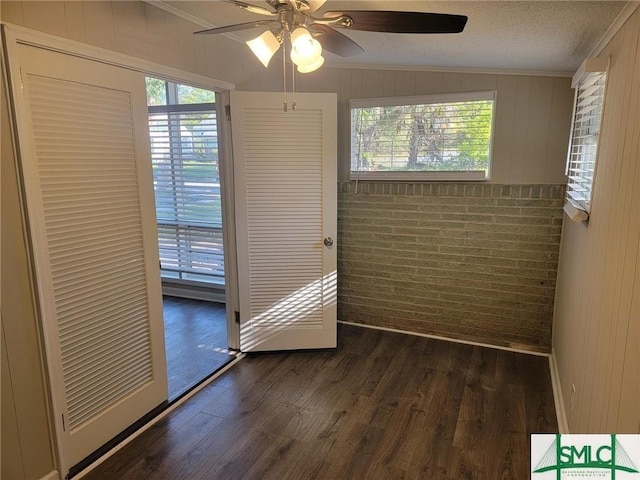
88,179
285,254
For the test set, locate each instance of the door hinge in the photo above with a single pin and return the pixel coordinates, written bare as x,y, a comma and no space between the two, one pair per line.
64,427
237,317
227,112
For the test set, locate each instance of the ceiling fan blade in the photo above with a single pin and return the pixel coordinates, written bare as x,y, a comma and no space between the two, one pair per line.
335,41
314,5
400,22
252,8
240,26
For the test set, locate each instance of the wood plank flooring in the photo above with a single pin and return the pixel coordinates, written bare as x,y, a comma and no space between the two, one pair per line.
195,341
382,405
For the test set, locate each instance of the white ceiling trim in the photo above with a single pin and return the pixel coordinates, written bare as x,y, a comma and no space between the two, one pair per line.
488,71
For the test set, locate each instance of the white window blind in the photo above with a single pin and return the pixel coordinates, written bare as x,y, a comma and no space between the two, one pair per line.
427,137
184,148
584,139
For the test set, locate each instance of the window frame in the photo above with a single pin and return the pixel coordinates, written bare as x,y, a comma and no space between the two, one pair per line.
591,68
187,231
425,175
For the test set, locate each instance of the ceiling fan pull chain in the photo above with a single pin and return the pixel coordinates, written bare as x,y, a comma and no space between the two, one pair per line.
284,75
293,87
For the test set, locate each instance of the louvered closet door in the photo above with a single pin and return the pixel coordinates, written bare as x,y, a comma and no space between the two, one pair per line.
285,195
87,174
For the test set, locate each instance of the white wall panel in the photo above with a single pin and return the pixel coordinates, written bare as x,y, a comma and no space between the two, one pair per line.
597,315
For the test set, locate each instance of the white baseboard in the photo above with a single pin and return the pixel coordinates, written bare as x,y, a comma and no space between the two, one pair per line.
52,475
558,398
446,339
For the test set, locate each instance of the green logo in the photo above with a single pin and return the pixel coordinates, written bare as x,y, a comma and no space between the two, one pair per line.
592,455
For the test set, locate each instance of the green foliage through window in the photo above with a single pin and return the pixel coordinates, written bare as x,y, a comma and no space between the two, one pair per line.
184,157
422,137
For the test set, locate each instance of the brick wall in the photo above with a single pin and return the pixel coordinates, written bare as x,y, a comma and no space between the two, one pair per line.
466,261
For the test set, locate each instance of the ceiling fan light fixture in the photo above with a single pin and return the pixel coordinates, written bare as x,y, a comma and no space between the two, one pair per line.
305,49
311,67
264,47
301,61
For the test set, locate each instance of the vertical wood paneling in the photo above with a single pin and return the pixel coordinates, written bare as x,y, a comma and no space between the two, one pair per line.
452,82
538,130
521,125
597,316
626,384
628,412
12,455
75,21
405,84
430,82
45,16
26,448
98,18
485,82
180,47
355,90
606,223
130,28
388,84
558,129
372,85
157,37
12,12
502,154
614,244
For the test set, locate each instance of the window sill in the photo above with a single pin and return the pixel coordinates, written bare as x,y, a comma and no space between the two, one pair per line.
575,213
210,292
448,176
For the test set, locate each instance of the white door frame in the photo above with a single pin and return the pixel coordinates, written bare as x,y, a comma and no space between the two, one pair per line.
15,36
225,159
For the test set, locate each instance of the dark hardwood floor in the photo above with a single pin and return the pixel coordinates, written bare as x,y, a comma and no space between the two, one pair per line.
195,341
382,405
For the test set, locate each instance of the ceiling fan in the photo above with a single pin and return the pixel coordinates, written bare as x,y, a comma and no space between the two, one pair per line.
309,34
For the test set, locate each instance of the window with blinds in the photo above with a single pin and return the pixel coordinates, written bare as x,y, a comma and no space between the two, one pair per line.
432,137
184,153
583,147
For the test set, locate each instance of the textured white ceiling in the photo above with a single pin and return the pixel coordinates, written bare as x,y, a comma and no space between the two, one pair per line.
543,36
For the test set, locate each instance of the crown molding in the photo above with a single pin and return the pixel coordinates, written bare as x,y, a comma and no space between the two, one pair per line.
487,71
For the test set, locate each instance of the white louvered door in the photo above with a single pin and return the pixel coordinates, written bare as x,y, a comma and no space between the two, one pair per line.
285,201
86,169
